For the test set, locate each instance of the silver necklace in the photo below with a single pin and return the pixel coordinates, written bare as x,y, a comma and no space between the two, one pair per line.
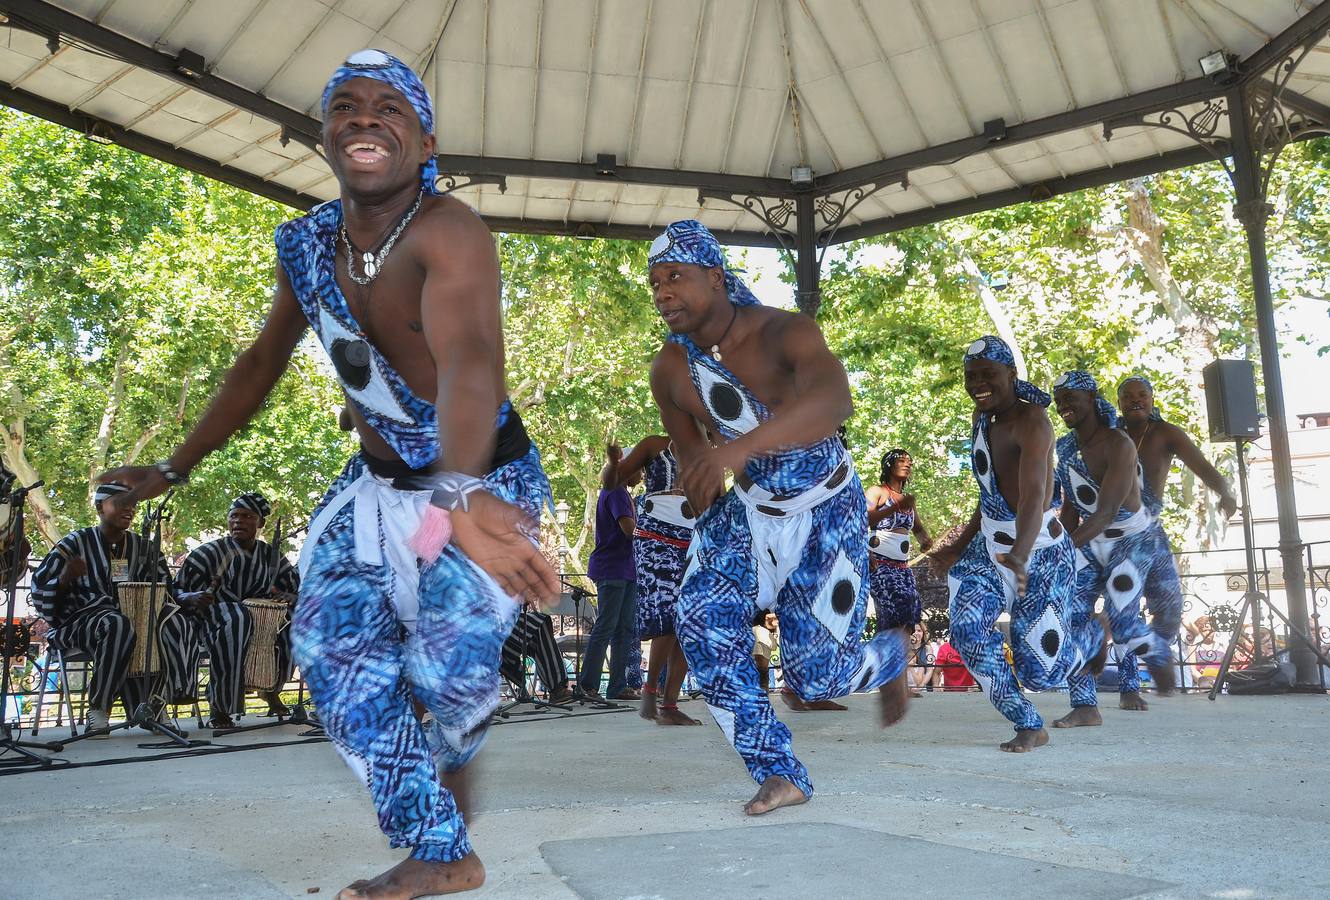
372,263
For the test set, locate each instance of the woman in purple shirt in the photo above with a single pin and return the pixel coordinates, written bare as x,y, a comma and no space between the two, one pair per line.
612,568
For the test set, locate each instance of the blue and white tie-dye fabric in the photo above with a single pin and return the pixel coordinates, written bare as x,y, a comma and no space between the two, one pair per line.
665,525
1115,565
364,665
790,536
1043,649
891,581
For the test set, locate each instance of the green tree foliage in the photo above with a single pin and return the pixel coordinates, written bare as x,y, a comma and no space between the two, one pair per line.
129,287
581,332
1147,277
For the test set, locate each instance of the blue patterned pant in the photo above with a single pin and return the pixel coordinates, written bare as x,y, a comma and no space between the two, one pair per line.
1141,564
364,667
895,596
813,565
1044,647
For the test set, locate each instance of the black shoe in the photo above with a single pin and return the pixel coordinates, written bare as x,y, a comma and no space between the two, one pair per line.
221,722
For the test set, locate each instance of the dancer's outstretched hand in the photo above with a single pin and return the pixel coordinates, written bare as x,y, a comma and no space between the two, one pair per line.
144,483
1017,566
490,534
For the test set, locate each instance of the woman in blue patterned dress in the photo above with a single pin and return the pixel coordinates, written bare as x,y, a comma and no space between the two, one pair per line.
660,545
892,519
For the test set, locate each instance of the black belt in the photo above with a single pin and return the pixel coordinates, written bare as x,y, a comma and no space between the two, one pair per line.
511,443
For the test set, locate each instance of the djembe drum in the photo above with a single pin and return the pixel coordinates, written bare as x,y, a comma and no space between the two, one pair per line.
135,602
269,617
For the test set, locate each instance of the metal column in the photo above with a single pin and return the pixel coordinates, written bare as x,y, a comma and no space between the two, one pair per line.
808,295
1252,210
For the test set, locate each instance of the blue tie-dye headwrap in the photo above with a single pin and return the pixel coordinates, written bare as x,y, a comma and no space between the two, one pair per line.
393,72
1154,407
996,350
1080,380
689,241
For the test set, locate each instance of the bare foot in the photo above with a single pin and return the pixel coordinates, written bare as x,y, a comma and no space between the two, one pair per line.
798,704
1026,739
1132,700
460,785
417,878
670,715
774,793
892,698
1079,716
648,708
1165,678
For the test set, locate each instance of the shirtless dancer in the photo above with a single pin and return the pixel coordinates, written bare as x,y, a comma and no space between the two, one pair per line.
389,606
1119,539
792,532
1013,555
1157,443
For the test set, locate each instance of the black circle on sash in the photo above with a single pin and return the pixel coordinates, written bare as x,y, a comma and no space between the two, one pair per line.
842,597
725,401
351,360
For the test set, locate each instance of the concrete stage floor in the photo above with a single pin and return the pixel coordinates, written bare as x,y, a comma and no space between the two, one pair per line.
1192,799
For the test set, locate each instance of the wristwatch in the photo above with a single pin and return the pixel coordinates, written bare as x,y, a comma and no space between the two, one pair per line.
170,474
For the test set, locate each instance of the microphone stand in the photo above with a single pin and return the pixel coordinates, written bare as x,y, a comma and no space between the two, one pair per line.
579,695
9,743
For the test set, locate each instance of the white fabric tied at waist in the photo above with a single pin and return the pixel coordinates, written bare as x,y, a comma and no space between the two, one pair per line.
761,500
889,544
669,508
1102,544
385,518
1000,536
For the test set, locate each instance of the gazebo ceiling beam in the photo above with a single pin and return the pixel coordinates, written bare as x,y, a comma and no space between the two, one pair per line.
998,134
1026,193
1309,27
48,18
101,130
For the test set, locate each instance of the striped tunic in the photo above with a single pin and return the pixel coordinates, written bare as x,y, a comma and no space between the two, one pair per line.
95,589
237,574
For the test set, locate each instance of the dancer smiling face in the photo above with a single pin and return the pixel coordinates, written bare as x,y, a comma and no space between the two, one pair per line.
991,385
375,141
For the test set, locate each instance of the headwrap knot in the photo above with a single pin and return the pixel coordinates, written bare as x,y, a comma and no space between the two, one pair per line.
393,72
1154,407
689,241
1080,380
995,349
254,502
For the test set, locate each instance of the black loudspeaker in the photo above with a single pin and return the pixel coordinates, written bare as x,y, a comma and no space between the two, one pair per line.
1230,400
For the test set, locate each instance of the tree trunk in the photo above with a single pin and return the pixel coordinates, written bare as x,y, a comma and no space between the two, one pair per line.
13,436
102,445
1001,321
1198,337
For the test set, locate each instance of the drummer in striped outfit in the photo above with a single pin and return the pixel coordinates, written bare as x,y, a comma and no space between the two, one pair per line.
74,590
215,580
